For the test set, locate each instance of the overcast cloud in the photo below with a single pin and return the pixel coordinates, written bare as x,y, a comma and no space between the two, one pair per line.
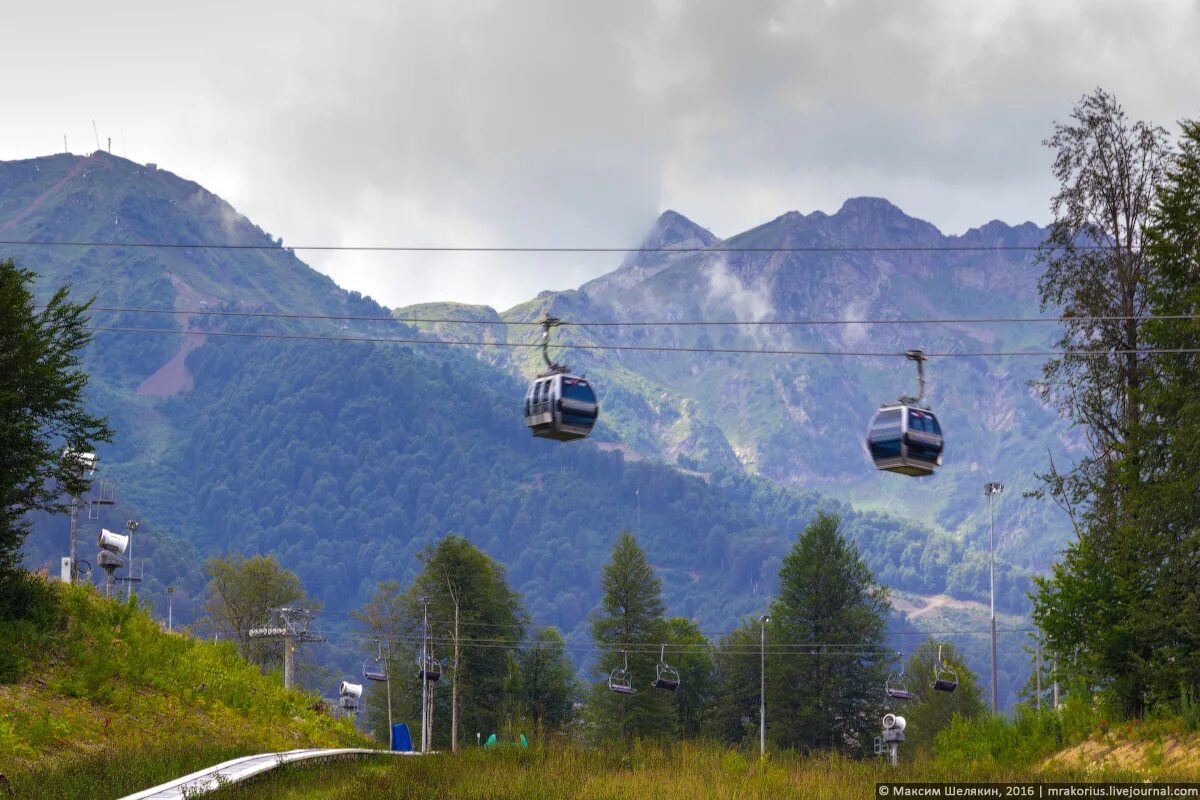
572,123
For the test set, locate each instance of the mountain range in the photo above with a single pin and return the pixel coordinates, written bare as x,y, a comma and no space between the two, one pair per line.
346,459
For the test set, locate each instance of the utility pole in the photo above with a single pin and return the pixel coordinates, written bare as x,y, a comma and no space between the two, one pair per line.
992,489
170,606
424,679
131,526
1038,669
1054,674
454,678
762,686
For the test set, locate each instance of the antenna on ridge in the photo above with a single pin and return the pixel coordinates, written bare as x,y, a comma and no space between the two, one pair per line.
97,134
65,148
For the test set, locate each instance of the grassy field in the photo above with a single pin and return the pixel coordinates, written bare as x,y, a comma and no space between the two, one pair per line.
683,772
105,702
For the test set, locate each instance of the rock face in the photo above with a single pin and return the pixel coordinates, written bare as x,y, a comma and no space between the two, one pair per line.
800,419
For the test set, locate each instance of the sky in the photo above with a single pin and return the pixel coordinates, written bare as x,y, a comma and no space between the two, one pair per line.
562,123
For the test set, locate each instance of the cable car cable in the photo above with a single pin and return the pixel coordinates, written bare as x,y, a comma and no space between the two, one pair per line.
654,349
290,249
652,323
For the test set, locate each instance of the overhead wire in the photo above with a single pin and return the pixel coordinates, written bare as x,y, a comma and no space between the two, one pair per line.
650,323
717,249
652,348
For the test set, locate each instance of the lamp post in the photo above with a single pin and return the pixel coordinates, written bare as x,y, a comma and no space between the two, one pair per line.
131,526
990,490
762,686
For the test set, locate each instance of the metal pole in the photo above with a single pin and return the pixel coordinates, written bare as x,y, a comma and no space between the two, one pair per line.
895,754
74,536
289,660
991,489
762,687
389,694
1054,673
424,679
1038,669
992,590
170,606
129,584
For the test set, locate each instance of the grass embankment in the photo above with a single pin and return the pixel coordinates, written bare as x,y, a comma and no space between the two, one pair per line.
1073,744
101,702
684,772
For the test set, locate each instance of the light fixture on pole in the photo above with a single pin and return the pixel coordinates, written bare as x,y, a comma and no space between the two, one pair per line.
990,490
762,686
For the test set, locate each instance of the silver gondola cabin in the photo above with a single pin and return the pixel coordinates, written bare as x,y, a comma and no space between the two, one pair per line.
904,437
559,405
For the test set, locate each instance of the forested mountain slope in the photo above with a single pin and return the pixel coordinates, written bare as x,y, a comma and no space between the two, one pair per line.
345,459
800,420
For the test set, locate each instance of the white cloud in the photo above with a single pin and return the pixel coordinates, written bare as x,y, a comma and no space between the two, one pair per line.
570,123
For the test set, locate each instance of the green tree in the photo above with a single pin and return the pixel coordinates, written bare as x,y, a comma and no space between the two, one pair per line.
42,409
546,687
690,652
240,595
930,710
1169,507
734,715
1098,274
628,629
823,689
461,584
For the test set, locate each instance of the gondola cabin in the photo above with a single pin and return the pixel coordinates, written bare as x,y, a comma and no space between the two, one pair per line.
905,439
561,406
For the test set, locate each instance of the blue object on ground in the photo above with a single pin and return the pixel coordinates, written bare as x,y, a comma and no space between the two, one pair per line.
401,738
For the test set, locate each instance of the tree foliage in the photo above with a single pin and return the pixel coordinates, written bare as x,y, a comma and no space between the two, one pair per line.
1168,498
627,629
454,572
930,711
545,685
43,418
1098,274
830,606
241,593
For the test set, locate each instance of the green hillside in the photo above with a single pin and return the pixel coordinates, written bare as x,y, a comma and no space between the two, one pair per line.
345,459
104,702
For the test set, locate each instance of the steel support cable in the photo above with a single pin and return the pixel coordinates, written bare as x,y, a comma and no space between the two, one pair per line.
719,249
651,348
202,312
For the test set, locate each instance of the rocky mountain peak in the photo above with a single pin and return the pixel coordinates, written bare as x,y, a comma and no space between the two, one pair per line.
672,229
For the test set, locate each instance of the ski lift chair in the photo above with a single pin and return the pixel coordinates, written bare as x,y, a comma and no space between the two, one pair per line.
429,669
945,679
375,669
666,676
619,680
899,691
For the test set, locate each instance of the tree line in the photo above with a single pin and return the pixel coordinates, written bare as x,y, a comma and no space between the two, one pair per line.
819,653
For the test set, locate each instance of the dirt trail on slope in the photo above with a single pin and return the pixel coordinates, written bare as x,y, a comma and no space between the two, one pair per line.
173,377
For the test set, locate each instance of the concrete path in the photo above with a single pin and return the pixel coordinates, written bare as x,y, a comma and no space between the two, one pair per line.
239,769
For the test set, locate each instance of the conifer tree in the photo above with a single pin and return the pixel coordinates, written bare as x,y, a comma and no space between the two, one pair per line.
823,690
546,687
629,625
